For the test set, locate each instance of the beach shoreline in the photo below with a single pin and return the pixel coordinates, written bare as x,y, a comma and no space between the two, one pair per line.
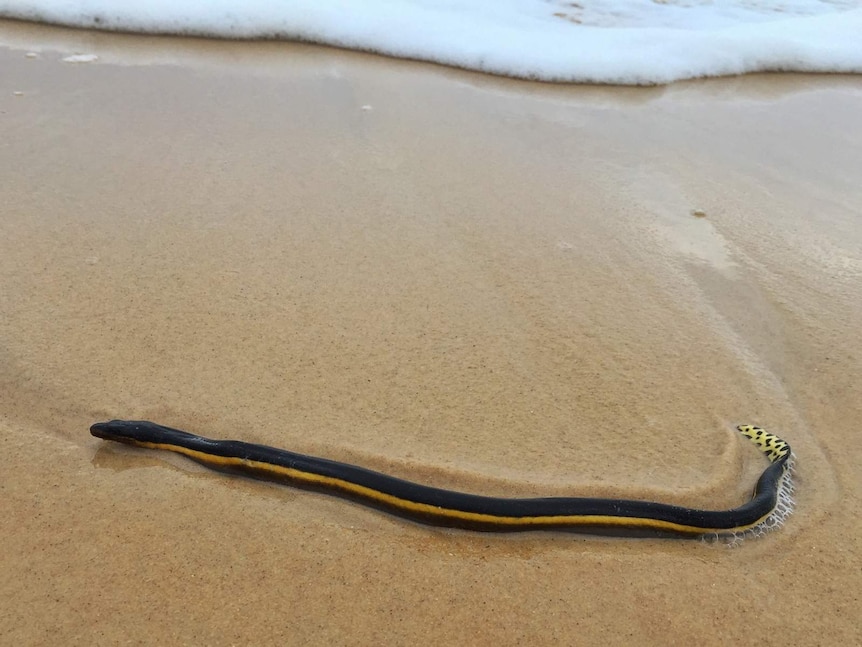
507,287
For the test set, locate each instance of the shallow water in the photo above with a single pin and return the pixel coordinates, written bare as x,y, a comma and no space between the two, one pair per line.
628,42
482,284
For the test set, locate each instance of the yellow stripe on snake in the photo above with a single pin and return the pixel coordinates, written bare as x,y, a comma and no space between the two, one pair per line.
767,508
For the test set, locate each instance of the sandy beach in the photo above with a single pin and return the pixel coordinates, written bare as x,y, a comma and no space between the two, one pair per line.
478,283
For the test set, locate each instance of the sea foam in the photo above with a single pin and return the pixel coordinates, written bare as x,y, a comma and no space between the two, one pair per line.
632,42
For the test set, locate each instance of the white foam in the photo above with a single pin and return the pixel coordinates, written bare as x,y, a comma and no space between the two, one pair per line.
600,41
784,507
80,58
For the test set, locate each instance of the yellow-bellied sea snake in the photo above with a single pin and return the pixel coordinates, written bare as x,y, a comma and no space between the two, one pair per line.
474,512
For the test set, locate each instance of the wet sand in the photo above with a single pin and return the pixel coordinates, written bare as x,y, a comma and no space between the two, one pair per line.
474,282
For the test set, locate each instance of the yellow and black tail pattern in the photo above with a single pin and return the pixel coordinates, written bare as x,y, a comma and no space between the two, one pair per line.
774,447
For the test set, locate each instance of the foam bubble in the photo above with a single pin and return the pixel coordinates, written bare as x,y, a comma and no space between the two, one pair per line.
80,58
784,506
600,41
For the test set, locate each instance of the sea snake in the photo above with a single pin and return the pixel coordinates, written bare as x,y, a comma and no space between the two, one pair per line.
470,511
